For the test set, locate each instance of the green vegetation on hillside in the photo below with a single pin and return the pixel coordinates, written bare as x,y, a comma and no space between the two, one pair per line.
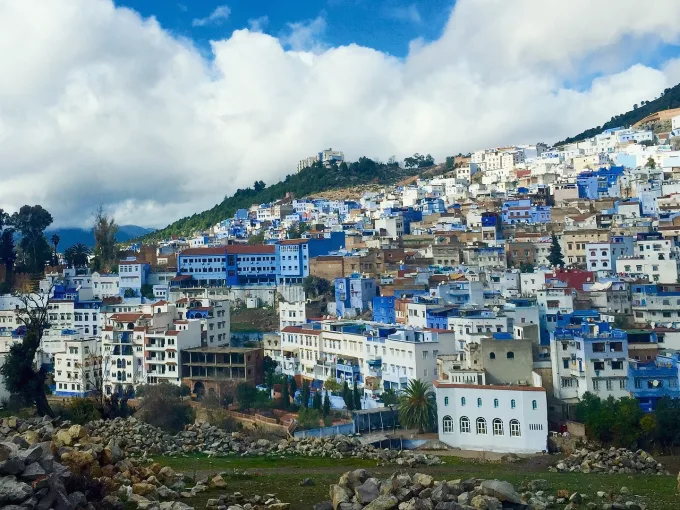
308,181
670,98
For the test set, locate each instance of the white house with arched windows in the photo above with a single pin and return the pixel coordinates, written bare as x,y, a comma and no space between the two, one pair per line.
508,419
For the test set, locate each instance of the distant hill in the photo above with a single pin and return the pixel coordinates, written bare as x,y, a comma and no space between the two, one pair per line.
668,100
304,183
70,236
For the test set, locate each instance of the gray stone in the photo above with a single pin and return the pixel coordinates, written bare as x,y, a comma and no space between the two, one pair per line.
307,482
13,490
503,491
33,471
367,491
384,502
339,494
324,505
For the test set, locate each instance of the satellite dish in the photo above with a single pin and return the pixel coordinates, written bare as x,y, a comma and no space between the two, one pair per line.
655,383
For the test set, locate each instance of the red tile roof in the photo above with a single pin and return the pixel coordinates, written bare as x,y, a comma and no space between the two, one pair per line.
294,241
245,249
219,250
127,317
303,331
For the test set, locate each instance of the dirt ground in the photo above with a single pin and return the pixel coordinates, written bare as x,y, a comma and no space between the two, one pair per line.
254,319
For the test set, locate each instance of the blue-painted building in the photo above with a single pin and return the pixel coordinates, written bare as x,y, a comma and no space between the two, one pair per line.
384,309
433,205
293,255
600,183
354,295
650,381
521,211
235,264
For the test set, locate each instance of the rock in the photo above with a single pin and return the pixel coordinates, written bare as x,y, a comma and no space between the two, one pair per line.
63,438
503,491
307,482
423,479
33,471
144,489
575,498
77,432
339,495
324,505
539,485
384,502
13,490
482,502
367,492
217,482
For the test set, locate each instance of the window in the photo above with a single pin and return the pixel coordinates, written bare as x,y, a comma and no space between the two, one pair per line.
513,404
481,426
515,429
617,365
565,362
464,425
510,355
479,402
462,401
599,365
492,355
447,425
622,383
446,401
498,427
534,405
609,384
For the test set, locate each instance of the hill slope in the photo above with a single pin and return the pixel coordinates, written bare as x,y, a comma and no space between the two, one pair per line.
70,236
669,99
306,182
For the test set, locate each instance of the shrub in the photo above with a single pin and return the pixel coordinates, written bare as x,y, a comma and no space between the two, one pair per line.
162,407
308,418
81,411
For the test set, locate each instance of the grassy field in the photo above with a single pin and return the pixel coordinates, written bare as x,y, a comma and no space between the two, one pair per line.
282,477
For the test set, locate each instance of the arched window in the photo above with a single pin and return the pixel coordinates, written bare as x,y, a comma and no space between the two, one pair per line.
479,402
492,355
514,428
464,424
481,426
495,402
447,425
498,427
446,401
534,405
513,404
462,401
511,355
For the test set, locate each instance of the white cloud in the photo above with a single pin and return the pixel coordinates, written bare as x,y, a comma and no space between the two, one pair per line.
306,35
217,17
408,13
258,24
98,105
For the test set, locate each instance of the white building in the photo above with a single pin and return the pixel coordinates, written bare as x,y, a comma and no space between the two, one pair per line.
78,369
511,419
291,314
657,260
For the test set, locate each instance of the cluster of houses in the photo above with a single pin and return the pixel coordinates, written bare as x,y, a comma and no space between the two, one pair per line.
451,280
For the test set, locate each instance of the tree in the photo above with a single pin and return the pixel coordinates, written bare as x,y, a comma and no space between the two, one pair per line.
285,396
317,402
76,255
356,397
526,267
675,143
651,164
304,397
8,254
269,365
161,406
19,372
332,385
389,397
347,396
326,405
35,251
315,286
147,291
417,406
259,186
256,239
555,256
54,239
105,230
246,394
293,387
450,162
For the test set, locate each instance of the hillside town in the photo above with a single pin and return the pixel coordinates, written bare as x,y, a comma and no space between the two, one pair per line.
513,281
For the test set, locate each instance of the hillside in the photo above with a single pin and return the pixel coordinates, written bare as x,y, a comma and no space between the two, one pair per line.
304,183
669,99
70,236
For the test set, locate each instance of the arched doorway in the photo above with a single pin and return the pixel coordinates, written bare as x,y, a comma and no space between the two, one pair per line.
199,390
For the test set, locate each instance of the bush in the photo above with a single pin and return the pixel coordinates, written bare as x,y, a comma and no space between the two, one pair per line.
81,411
308,418
162,407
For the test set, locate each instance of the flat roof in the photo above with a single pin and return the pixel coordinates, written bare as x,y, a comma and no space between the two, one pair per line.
223,350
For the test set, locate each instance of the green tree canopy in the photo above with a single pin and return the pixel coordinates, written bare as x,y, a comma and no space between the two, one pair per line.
34,250
555,256
417,406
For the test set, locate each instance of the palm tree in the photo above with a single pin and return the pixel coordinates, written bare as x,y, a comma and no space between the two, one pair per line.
417,406
55,242
76,255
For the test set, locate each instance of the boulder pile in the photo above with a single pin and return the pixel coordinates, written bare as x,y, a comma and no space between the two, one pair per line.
237,501
139,438
358,490
613,460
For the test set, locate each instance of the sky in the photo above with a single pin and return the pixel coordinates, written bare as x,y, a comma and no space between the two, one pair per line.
158,109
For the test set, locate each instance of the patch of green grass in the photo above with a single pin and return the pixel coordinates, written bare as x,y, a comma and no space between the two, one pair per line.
243,327
282,477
